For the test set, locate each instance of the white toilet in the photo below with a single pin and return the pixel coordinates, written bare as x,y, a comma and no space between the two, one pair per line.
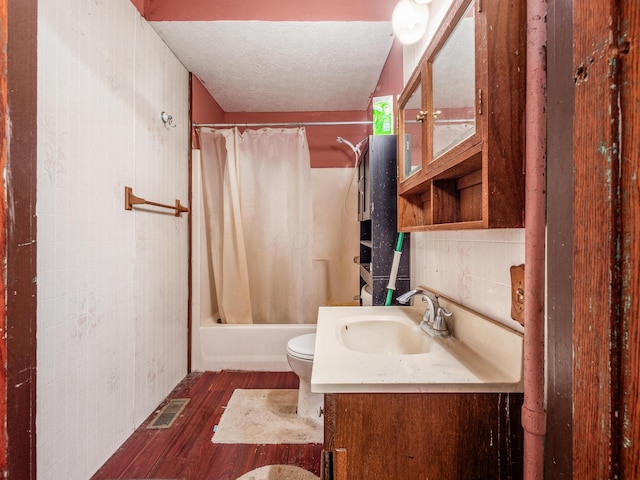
300,357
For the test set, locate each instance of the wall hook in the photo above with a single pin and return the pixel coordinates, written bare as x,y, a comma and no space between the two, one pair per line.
167,120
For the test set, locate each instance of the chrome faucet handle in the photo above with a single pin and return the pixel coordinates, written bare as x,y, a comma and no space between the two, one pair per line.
433,321
406,297
432,307
439,322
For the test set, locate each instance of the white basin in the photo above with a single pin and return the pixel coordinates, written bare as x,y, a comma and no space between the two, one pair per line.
383,349
384,336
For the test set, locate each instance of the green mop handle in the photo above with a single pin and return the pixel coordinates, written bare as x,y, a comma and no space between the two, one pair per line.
394,269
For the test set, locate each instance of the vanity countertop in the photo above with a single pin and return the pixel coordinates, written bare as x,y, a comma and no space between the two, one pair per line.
480,356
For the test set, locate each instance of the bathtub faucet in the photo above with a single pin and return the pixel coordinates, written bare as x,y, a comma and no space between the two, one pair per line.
433,320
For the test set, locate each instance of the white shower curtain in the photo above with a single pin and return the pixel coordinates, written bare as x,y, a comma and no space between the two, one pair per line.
258,214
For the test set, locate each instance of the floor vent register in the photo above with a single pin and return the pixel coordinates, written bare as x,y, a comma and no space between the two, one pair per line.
167,415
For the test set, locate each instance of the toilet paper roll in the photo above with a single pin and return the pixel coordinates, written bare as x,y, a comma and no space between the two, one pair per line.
365,296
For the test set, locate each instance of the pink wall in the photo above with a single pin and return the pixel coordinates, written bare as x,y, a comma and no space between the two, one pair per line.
204,109
273,10
139,4
390,82
325,151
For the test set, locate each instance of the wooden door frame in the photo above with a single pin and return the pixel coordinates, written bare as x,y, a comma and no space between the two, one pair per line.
18,218
606,280
3,223
593,305
630,239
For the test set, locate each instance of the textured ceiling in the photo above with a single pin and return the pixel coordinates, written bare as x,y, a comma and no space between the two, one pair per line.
283,66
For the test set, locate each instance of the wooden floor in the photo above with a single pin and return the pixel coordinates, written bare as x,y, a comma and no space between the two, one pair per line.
185,450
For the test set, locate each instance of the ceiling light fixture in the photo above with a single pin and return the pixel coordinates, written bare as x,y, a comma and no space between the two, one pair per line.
409,20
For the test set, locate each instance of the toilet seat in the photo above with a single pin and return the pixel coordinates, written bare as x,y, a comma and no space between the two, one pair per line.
302,346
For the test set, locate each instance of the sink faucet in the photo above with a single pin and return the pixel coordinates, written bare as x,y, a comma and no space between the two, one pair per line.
433,320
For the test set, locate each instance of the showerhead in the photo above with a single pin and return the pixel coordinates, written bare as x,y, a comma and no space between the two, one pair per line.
342,140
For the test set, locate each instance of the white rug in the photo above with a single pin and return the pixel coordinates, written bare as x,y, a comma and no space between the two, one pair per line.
278,472
259,416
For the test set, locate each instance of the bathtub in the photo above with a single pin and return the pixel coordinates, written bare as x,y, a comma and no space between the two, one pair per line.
260,347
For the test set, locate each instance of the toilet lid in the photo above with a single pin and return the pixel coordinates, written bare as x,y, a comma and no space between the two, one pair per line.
302,346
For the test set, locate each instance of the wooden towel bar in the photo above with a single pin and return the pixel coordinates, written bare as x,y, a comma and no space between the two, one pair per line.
130,200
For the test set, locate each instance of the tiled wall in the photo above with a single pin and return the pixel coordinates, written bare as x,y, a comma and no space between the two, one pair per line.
112,284
470,267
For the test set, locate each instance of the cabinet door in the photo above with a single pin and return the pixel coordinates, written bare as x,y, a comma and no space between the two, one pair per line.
410,130
473,77
452,113
447,436
364,188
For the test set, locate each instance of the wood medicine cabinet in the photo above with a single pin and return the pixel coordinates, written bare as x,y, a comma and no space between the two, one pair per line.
461,121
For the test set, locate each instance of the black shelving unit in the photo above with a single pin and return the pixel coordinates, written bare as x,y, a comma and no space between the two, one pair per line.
377,200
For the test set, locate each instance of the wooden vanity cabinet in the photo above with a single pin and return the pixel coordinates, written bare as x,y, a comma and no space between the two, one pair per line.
470,85
423,436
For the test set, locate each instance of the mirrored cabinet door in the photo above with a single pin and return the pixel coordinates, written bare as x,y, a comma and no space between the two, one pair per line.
411,131
453,87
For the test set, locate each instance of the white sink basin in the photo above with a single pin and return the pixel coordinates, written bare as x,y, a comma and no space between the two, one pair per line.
384,336
382,349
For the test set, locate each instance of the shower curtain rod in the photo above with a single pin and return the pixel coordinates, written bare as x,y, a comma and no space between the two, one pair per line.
280,124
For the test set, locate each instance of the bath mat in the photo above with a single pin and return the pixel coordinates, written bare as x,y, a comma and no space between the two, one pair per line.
265,416
279,472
